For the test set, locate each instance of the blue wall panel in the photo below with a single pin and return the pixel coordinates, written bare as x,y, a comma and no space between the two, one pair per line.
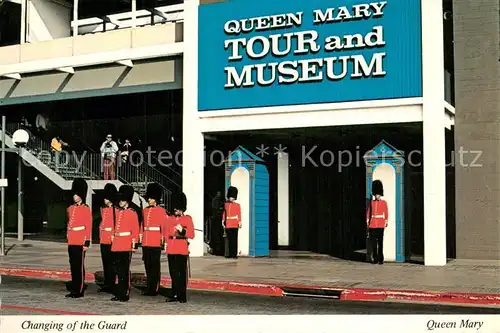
401,24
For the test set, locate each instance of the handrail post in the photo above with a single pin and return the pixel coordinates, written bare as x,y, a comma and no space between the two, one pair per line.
2,249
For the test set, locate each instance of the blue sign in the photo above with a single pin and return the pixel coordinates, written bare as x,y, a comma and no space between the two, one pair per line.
290,52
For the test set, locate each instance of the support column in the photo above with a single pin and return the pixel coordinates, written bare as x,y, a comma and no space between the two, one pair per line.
192,138
20,198
433,134
24,11
75,18
283,201
134,13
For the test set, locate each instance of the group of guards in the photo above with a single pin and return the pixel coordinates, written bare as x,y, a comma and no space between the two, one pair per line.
121,234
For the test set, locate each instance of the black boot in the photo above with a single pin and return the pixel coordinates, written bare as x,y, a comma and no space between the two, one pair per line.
119,299
172,299
105,290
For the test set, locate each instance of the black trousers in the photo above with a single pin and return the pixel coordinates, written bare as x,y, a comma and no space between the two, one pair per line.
77,266
177,266
216,239
232,242
108,266
151,256
377,240
122,266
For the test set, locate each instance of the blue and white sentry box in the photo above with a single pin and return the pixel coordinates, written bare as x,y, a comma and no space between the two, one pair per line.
386,163
247,172
291,52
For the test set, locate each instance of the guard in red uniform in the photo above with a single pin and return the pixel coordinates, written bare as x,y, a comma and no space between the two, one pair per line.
179,230
231,221
152,238
79,236
377,217
125,241
106,230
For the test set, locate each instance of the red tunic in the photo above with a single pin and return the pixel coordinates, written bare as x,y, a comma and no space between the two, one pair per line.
176,243
126,233
233,211
79,224
106,228
380,214
155,220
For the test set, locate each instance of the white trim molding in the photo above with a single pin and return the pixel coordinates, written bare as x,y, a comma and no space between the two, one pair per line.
313,107
305,119
131,54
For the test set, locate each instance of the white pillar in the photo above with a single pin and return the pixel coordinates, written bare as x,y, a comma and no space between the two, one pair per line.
283,201
192,138
24,13
434,134
75,18
134,13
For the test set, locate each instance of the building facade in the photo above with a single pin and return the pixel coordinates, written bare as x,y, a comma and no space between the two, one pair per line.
477,127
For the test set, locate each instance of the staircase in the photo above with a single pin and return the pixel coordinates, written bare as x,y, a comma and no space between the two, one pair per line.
89,165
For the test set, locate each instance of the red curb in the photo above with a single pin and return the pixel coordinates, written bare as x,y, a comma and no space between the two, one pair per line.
43,273
51,311
420,296
347,294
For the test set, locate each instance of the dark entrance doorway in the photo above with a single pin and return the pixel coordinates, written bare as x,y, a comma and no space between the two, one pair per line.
327,178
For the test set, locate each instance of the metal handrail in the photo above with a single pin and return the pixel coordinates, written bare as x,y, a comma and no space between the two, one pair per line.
89,166
144,17
147,169
69,167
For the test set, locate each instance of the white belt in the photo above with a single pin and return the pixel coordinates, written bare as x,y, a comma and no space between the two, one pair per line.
152,228
77,228
378,216
107,229
232,217
127,233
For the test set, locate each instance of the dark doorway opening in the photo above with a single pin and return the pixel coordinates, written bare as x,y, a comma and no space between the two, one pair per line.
326,191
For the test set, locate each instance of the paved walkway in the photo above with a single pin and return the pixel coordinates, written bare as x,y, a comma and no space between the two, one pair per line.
287,268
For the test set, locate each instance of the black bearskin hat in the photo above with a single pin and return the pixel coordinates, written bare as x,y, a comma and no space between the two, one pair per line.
110,192
80,188
179,201
232,192
126,193
377,188
153,191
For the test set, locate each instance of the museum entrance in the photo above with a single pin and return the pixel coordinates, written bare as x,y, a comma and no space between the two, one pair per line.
327,183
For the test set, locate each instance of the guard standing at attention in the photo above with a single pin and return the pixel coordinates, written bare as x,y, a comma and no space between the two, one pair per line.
79,236
125,241
179,230
106,230
231,221
152,238
377,217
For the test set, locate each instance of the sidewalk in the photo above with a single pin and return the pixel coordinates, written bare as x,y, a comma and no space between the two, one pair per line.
460,282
